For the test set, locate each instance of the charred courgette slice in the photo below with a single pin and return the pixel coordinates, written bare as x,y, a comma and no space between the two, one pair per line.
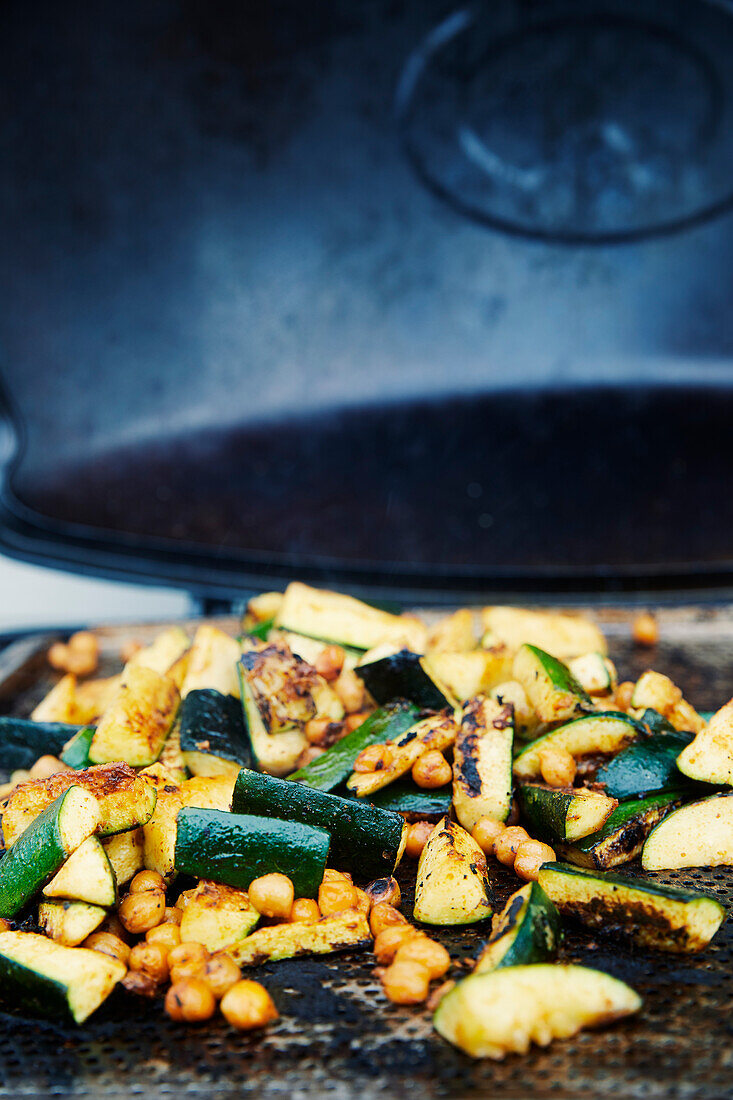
605,732
564,635
622,837
341,932
526,931
277,698
452,879
469,674
404,675
437,732
710,756
698,835
563,814
212,662
595,673
504,1011
482,762
649,913
125,853
551,688
69,922
135,725
212,735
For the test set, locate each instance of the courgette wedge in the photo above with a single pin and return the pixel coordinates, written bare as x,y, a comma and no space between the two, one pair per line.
69,922
39,975
646,767
469,674
212,735
551,688
159,834
237,848
125,853
44,846
648,913
212,662
23,741
605,732
404,675
482,762
697,835
75,753
87,875
595,673
334,617
710,756
564,635
135,725
365,841
341,932
563,814
217,916
526,931
622,837
277,701
437,732
328,771
125,799
452,879
505,1011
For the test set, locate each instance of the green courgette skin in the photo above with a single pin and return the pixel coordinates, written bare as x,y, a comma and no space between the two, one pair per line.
656,722
337,763
402,676
34,858
237,848
545,809
76,753
646,767
23,741
262,629
624,832
32,991
529,931
405,797
365,840
208,716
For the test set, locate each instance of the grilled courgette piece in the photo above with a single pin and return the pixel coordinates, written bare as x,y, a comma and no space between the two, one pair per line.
60,703
412,802
212,735
137,721
526,931
165,650
511,693
22,741
710,756
564,635
563,814
277,700
605,732
697,835
437,732
551,688
237,848
125,799
212,662
482,762
469,674
125,853
45,977
75,752
452,879
646,767
365,840
622,837
649,913
217,916
504,1011
334,617
595,673
87,875
404,675
341,932
46,844
159,834
69,922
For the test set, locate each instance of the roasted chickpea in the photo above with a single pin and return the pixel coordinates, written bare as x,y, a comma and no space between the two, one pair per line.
168,935
305,911
530,856
506,844
363,901
186,961
220,973
406,983
190,1000
385,889
417,838
46,766
390,939
428,953
173,915
113,924
329,662
142,985
330,874
272,895
150,959
107,944
373,758
645,630
308,755
316,731
624,695
353,721
140,912
350,691
384,915
248,1005
485,832
146,880
558,767
431,770
334,897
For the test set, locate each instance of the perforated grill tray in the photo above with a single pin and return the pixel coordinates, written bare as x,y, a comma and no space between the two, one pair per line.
338,1036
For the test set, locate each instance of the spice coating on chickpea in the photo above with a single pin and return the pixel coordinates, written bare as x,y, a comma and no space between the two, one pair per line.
330,661
190,1000
624,694
505,845
431,770
383,915
390,939
334,897
558,767
186,960
220,973
428,953
645,630
140,912
248,1005
373,758
108,944
305,911
272,895
385,889
417,838
350,691
146,880
530,856
485,832
142,985
150,959
405,983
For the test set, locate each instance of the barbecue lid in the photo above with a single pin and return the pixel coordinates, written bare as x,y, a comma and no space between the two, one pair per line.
391,295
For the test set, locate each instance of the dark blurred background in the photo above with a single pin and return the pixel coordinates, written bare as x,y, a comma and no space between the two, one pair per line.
411,297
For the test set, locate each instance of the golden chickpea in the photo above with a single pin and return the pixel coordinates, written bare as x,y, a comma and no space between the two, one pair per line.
350,691
330,874
334,897
406,983
140,912
150,959
113,924
316,730
142,985
272,895
84,642
530,856
645,630
353,721
485,832
190,1000
58,655
305,911
390,939
168,935
363,901
417,838
248,1005
220,973
146,880
431,770
624,695
558,767
330,661
505,845
428,953
107,944
46,766
374,758
384,915
173,915
385,889
186,961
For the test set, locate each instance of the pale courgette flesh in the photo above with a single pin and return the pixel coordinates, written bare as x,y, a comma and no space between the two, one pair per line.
482,762
605,732
697,835
341,932
527,930
452,879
